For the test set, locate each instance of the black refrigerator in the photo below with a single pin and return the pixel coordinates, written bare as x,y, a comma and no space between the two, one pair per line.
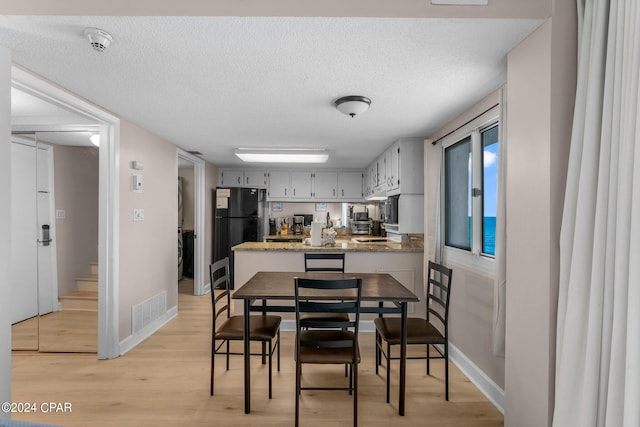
239,218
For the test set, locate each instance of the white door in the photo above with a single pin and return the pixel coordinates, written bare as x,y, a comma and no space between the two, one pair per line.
47,298
27,220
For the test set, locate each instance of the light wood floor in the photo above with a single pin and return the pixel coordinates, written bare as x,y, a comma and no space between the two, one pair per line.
165,382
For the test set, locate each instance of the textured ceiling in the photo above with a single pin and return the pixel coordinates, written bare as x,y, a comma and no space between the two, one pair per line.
212,84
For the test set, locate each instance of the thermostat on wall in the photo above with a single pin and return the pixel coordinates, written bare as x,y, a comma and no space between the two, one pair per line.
136,165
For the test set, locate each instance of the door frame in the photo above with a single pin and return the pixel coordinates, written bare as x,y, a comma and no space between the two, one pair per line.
108,199
198,220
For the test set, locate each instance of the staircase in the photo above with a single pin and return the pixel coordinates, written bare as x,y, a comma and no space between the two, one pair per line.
86,297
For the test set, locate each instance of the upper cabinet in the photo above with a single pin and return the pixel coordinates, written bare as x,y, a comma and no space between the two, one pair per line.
279,185
405,167
301,185
350,185
325,185
254,178
315,186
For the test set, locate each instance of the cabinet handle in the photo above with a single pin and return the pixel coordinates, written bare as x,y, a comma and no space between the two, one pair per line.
285,191
343,192
238,180
294,191
334,192
247,180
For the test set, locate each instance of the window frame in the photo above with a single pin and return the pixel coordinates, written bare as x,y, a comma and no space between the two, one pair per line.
474,259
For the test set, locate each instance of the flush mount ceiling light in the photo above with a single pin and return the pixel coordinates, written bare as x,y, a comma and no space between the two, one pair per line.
282,155
352,105
99,39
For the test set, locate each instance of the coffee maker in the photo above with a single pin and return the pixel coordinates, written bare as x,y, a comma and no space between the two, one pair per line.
298,224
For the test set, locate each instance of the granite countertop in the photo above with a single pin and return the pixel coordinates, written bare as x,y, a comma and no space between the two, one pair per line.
341,245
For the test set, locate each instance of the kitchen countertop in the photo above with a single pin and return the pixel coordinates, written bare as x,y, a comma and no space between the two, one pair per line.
341,245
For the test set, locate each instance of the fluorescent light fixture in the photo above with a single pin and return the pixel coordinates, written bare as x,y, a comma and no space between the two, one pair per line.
95,139
282,155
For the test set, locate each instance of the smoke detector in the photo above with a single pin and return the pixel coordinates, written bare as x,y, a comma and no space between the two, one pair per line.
98,38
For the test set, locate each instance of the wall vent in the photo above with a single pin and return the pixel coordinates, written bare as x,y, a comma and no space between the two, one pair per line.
147,311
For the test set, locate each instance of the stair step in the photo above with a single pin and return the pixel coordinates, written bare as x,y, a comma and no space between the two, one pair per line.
80,300
87,283
93,268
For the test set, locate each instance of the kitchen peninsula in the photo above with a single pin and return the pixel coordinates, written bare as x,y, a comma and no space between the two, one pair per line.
404,261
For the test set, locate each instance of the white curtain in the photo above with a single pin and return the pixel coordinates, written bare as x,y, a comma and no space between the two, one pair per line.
500,279
598,335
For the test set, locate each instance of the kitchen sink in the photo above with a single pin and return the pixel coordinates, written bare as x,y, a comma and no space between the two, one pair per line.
369,240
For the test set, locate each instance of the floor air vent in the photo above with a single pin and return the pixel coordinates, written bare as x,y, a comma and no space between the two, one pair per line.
147,311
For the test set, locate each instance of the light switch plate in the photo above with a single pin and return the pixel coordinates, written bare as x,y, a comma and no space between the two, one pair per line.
61,214
138,214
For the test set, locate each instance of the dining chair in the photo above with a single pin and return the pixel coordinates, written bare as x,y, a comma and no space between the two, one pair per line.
226,328
325,262
329,340
430,331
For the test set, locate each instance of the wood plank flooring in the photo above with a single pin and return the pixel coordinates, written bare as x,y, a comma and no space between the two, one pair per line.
165,381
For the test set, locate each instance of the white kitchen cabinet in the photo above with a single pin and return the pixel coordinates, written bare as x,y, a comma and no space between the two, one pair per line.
231,178
350,185
407,157
301,185
279,185
392,167
325,185
254,178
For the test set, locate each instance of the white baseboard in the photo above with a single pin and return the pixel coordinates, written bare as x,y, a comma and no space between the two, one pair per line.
485,384
133,340
207,288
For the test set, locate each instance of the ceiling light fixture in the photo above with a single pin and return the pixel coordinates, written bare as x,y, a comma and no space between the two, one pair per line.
352,105
99,39
95,139
282,155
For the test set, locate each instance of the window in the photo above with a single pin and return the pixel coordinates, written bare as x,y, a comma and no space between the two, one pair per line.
471,189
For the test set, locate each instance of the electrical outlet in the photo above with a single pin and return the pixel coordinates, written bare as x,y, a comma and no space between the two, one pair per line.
138,214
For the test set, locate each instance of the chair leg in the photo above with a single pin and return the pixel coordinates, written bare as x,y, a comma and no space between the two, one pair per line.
388,357
446,371
377,351
298,373
278,350
428,358
354,369
213,352
270,369
264,352
350,378
228,350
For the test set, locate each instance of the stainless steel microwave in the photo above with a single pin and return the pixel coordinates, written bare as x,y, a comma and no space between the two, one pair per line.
391,210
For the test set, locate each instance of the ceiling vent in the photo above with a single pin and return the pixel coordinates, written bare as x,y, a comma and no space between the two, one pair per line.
99,39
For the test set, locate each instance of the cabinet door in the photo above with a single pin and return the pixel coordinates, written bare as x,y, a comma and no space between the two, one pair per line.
231,178
279,185
325,185
301,185
393,167
350,185
255,178
381,174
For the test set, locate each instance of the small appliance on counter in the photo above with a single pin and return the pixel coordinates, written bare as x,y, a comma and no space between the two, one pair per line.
360,223
298,225
273,229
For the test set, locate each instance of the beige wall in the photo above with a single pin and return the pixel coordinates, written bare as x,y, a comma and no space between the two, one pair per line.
188,197
148,249
76,192
5,226
366,8
541,79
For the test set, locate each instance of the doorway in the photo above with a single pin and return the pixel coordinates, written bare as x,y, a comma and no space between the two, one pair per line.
190,227
55,198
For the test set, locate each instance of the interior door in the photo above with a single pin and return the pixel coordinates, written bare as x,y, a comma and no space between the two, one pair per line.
24,252
47,292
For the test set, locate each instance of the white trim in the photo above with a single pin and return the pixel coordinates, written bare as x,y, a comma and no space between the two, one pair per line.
485,384
55,304
108,227
481,264
134,339
199,287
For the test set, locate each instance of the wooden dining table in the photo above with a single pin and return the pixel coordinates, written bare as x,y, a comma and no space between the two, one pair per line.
274,288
